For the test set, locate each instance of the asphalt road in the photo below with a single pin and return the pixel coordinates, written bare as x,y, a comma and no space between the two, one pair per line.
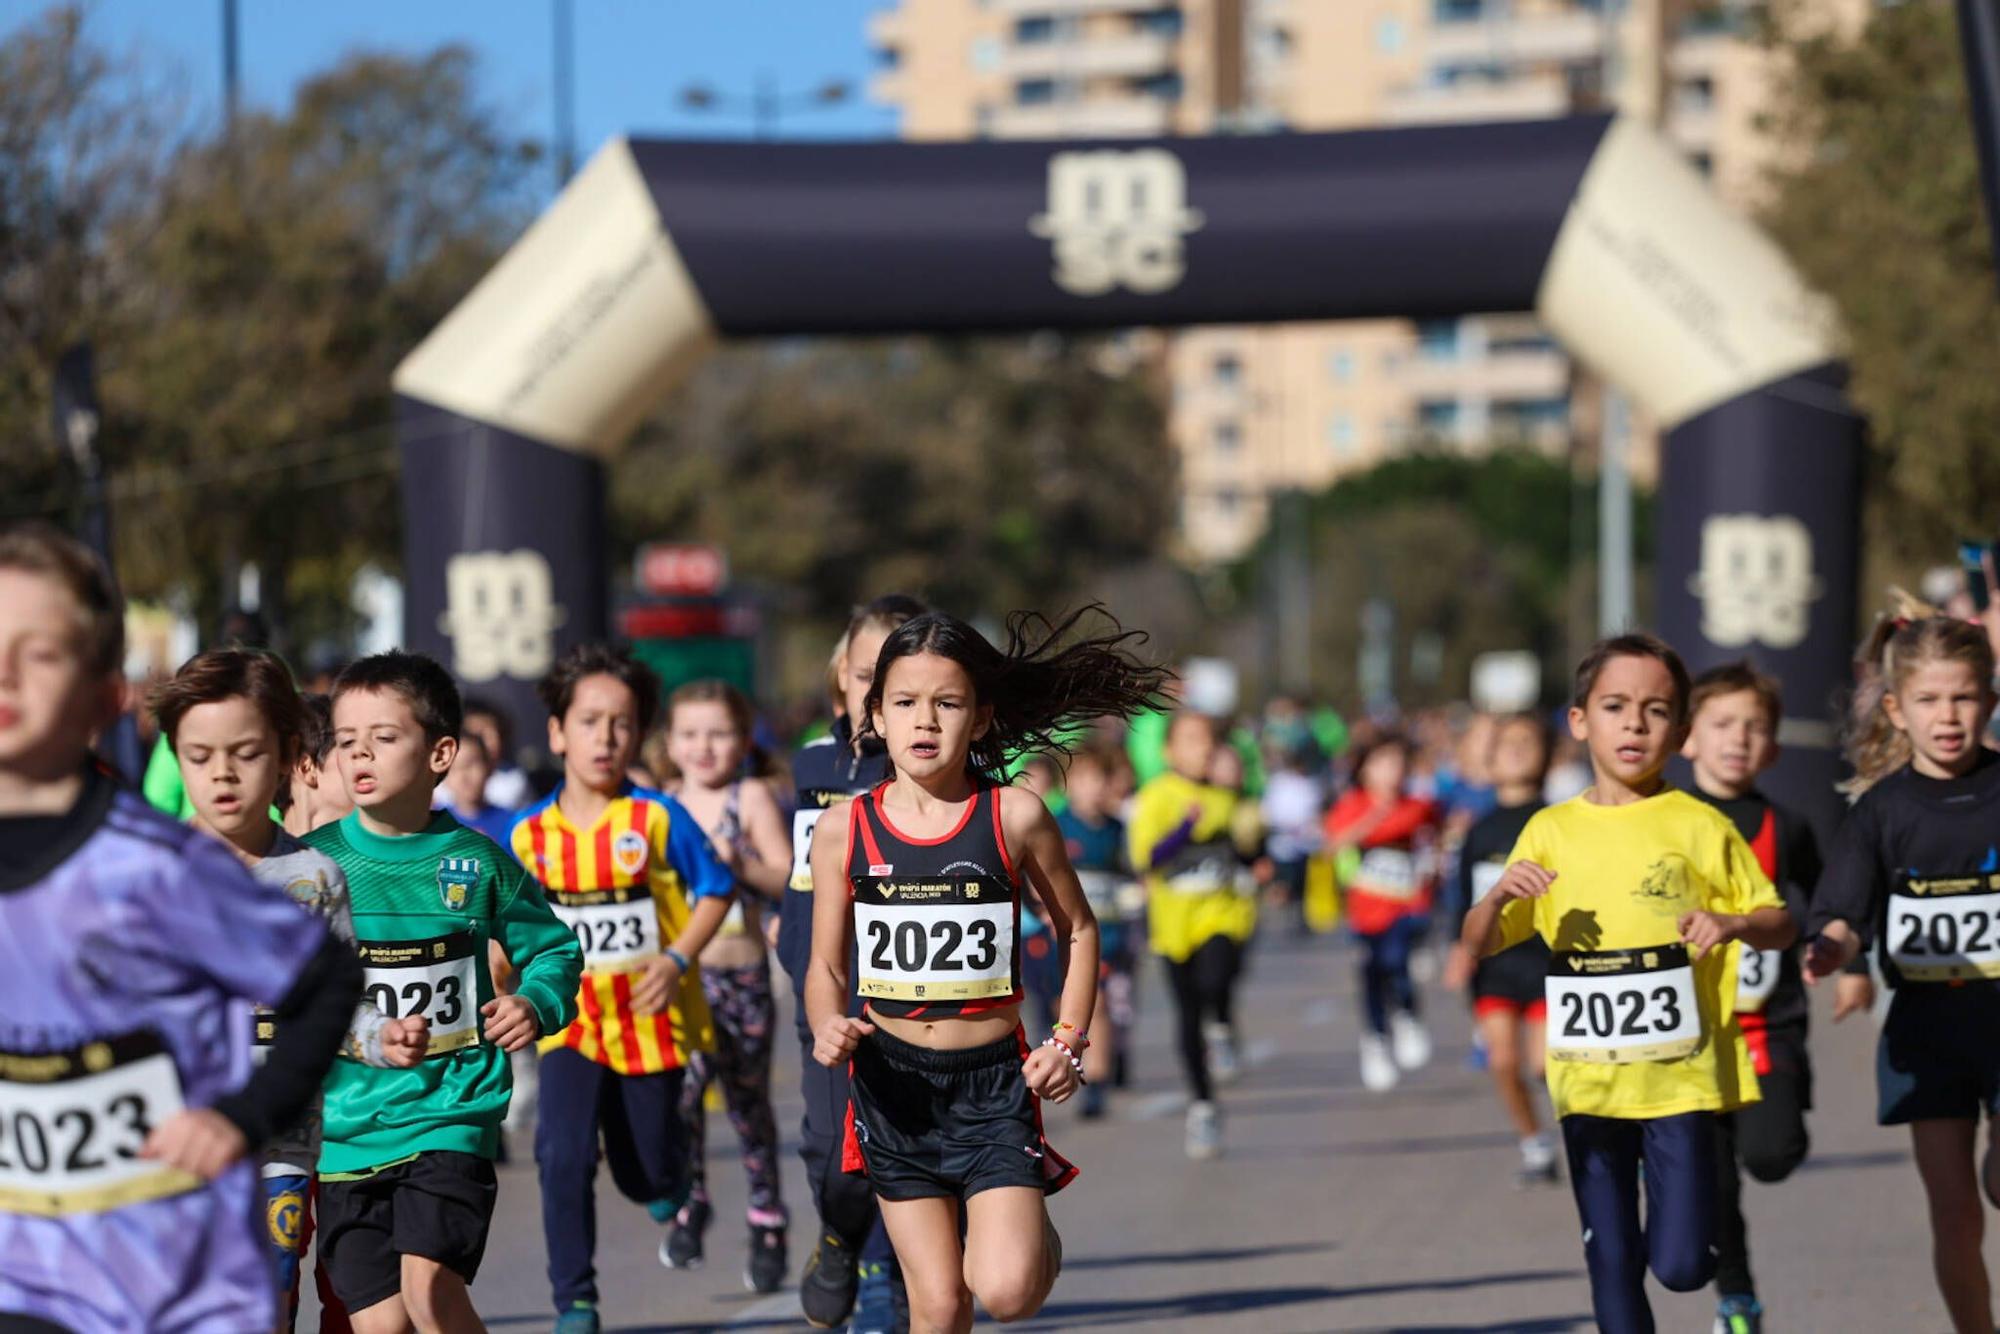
1332,1208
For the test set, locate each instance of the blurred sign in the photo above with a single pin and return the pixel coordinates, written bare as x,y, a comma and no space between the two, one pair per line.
1506,682
679,570
1210,686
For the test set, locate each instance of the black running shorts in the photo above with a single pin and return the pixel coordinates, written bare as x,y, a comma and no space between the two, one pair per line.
437,1205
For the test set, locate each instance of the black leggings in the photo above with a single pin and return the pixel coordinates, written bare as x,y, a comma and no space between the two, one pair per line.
1204,987
1769,1139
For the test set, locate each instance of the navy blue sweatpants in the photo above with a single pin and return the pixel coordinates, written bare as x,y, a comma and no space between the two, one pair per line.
1677,1241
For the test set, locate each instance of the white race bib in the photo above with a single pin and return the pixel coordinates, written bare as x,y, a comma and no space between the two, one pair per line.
947,939
437,978
1756,977
804,821
72,1122
1485,875
619,929
1620,1006
1388,873
1946,930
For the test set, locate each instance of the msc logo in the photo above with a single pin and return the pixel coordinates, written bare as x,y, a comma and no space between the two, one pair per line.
1756,580
501,614
1116,218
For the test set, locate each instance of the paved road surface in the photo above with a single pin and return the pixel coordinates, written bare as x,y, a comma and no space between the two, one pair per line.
1333,1209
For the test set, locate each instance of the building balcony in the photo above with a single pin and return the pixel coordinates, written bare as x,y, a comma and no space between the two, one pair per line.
1129,55
1511,99
1110,118
1494,376
1524,39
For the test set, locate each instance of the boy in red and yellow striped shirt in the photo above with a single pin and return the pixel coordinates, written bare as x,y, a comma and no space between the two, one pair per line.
634,878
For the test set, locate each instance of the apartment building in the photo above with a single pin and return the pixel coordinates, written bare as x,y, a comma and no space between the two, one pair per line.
1261,409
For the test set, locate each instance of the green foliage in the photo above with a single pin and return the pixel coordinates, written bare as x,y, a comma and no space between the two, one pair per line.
1881,210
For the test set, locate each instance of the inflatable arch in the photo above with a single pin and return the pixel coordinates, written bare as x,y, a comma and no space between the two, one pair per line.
658,248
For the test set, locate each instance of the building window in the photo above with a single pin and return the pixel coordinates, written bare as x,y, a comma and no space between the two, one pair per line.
1695,95
1530,416
1389,36
1702,162
1038,28
1437,340
1454,73
1340,365
985,54
1228,437
1340,435
1520,345
1227,501
1438,417
1035,92
888,57
1457,11
1162,87
1159,22
1227,370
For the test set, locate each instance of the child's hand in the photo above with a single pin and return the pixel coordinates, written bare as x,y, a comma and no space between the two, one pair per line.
1522,880
1049,1074
1703,931
404,1041
834,1043
1830,951
653,985
200,1140
1853,993
510,1022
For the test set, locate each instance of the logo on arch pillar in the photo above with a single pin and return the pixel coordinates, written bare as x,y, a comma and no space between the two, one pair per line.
1115,219
500,614
1756,581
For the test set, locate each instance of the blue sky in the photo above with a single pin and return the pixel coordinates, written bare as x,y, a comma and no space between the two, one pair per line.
633,57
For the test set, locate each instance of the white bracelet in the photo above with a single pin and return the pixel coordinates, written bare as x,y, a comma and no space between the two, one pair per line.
1076,1062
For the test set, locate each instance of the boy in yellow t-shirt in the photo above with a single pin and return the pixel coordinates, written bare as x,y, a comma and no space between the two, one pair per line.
1645,896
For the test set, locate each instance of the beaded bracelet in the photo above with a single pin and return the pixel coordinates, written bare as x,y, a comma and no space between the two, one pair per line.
1076,1063
1082,1039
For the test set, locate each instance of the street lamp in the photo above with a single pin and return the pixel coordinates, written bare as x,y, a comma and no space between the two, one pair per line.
766,106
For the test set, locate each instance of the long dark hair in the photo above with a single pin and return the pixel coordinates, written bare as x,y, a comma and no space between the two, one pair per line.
1050,677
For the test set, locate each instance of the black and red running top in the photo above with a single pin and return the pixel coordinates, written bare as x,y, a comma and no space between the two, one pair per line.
937,921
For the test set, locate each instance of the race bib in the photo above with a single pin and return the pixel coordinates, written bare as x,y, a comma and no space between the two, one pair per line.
804,821
1946,929
946,939
1485,875
1388,873
619,929
437,978
1620,1006
1756,978
72,1123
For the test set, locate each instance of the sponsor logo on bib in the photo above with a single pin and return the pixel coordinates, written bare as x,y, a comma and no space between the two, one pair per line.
882,870
628,850
455,879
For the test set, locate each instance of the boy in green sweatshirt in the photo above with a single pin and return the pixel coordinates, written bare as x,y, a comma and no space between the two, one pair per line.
406,1167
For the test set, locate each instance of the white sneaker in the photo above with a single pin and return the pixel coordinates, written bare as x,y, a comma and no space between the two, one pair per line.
1204,1131
1378,1071
1223,1064
1411,1040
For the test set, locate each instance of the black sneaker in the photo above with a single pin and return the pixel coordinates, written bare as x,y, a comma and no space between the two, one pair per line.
766,1271
682,1248
826,1289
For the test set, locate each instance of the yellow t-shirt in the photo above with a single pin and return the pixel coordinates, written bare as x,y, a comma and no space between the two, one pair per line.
1199,892
1624,877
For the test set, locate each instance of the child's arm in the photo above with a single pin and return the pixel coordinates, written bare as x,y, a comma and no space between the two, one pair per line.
764,826
1044,860
709,887
1845,903
1748,907
835,1034
549,964
1486,932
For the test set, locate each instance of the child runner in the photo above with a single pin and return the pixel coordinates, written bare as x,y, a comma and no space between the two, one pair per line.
406,1163
1914,868
1198,920
1507,999
316,794
851,1268
1732,739
232,719
631,874
128,942
1642,894
708,734
1392,837
945,1117
1094,838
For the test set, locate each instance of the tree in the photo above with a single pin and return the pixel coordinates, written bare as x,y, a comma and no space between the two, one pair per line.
1879,206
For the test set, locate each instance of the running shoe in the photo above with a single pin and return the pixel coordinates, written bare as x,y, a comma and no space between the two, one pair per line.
1204,1131
766,1271
1093,1102
579,1319
1538,1162
1378,1068
682,1249
1410,1040
1739,1314
874,1301
826,1289
1223,1063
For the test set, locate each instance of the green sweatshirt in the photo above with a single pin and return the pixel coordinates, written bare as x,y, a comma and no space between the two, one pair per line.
424,907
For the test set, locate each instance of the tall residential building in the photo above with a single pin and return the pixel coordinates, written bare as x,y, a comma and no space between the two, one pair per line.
1260,409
